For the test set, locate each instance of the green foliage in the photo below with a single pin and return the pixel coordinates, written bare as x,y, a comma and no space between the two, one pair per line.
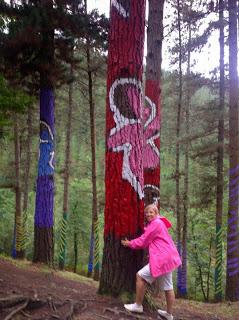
7,212
12,100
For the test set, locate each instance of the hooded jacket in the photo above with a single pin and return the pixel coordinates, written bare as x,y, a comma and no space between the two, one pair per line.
163,254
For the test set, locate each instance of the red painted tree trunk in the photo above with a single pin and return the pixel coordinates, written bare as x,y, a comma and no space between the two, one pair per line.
152,99
124,143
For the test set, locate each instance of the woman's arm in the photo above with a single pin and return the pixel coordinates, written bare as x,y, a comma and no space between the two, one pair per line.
146,238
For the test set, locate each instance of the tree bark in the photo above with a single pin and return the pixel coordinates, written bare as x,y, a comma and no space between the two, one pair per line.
177,173
220,155
66,173
232,277
186,166
18,211
75,251
124,143
94,230
43,236
28,159
151,158
27,177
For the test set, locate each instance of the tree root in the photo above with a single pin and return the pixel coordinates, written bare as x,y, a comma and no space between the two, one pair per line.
16,310
11,301
23,305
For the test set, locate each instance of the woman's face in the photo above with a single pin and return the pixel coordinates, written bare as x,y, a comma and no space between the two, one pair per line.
150,214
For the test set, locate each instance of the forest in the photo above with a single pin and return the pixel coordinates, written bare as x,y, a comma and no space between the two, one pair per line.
102,114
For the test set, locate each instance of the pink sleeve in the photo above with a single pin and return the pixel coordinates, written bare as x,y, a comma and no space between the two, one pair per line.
146,238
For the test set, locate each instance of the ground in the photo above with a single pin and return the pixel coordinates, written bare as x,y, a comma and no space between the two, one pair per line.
34,292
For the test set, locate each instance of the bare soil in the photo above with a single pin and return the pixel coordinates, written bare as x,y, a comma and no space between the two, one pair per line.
35,292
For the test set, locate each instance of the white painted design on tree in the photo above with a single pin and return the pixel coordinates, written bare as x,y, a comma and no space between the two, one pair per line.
151,152
120,8
152,186
153,112
125,135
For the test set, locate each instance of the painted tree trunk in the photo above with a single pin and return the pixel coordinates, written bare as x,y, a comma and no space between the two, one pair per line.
43,228
151,159
232,278
177,171
62,256
43,237
91,253
124,146
220,152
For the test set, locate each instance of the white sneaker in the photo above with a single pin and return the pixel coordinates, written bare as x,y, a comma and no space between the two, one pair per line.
134,307
164,314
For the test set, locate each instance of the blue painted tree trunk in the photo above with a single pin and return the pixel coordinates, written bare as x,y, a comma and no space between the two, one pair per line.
43,223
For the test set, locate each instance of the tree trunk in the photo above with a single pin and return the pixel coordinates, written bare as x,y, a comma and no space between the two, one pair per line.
43,231
177,173
219,205
43,237
91,253
232,278
94,230
75,251
151,159
18,212
27,176
186,168
124,165
66,174
28,159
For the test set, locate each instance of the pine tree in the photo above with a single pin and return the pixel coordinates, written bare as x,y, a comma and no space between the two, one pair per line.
124,167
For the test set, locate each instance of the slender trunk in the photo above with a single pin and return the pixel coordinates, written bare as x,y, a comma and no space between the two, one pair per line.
27,176
186,172
151,159
198,265
177,173
75,251
94,245
232,278
28,159
66,174
124,165
18,213
209,268
220,152
91,253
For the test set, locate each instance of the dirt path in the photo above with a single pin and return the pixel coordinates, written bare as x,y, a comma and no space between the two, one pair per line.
45,294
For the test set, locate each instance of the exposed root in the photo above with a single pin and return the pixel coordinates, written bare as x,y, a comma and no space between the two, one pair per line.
16,310
11,301
70,314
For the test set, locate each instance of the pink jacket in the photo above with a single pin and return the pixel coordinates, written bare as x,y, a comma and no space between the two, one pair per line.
163,255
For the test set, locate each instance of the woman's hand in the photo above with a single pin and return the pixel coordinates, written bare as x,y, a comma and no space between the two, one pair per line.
125,242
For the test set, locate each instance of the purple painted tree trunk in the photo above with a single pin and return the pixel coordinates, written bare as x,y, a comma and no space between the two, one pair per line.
43,238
